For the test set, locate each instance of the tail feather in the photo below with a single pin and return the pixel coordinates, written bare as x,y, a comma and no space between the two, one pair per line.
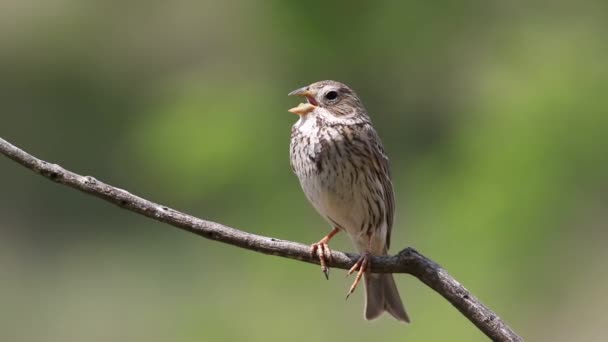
382,295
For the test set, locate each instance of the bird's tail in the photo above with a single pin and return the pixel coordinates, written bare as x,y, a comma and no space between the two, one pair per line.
382,295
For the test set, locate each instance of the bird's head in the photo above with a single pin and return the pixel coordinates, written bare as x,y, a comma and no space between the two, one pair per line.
330,99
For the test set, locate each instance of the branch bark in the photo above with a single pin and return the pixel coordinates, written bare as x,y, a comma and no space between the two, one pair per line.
407,261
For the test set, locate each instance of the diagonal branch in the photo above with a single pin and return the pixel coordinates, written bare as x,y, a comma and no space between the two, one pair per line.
406,261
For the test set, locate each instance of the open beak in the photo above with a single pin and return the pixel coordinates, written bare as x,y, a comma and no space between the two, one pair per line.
304,108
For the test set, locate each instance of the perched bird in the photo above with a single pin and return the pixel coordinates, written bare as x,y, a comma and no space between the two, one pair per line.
344,172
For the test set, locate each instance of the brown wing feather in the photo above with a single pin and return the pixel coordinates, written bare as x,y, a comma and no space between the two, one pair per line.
385,180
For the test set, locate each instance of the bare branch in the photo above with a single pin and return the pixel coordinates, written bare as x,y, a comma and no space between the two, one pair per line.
407,261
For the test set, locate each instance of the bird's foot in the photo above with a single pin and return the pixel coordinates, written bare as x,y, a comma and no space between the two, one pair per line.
361,266
321,249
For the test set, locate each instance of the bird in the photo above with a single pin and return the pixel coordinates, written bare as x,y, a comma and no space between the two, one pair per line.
344,172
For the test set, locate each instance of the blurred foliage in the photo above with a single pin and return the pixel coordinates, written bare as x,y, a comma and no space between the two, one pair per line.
494,115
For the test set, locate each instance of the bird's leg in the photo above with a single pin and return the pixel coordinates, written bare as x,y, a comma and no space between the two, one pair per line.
322,250
362,265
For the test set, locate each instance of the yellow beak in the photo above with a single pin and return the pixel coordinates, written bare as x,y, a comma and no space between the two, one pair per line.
303,108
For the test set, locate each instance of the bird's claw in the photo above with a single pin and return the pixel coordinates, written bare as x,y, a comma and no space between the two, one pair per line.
321,249
361,266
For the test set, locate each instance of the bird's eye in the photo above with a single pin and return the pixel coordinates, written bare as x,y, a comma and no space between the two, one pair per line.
331,95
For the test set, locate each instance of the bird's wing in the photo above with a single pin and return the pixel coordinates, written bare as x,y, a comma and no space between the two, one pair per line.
381,163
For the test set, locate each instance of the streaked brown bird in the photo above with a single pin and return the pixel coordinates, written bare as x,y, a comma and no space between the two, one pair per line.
344,172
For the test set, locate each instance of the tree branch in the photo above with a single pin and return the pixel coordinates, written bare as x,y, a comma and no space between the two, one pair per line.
406,261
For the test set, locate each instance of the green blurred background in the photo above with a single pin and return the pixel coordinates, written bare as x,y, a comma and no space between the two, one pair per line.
495,116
